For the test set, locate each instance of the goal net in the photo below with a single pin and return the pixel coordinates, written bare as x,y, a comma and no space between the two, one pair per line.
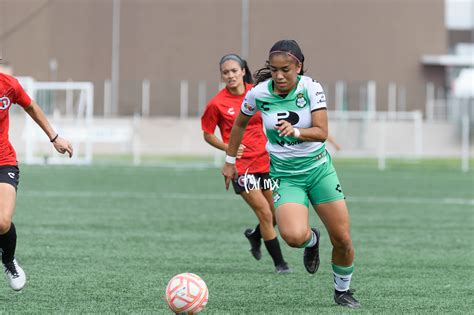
69,107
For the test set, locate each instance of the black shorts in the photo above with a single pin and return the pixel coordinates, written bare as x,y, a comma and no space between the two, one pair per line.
254,181
10,175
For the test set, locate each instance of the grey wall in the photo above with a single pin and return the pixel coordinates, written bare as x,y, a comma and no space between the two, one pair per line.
169,40
188,141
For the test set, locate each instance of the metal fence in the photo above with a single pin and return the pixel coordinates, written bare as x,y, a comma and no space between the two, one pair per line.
187,98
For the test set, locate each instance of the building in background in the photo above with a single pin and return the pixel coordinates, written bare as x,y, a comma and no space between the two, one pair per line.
459,61
166,42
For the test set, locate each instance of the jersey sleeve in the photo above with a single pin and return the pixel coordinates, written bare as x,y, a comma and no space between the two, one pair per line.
249,106
210,118
21,98
317,98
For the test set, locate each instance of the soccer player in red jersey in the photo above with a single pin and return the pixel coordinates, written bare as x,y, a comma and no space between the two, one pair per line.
12,93
253,183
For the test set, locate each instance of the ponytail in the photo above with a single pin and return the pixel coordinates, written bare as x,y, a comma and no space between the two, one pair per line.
262,74
248,75
243,65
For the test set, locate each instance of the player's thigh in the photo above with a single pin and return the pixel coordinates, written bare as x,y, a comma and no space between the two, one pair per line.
292,220
291,208
259,204
335,218
7,203
268,194
9,180
290,191
267,185
324,185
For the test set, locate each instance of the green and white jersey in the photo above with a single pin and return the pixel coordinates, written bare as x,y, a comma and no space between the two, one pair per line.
288,155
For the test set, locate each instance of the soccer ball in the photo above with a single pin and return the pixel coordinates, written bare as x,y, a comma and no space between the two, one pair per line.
186,293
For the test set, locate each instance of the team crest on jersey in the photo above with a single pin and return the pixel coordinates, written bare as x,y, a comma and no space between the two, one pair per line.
246,179
300,100
249,107
4,102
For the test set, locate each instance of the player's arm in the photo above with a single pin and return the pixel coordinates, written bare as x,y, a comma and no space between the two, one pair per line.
333,141
238,129
217,143
247,110
318,132
213,140
237,133
60,144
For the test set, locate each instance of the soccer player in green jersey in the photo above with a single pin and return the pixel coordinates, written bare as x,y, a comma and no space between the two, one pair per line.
293,108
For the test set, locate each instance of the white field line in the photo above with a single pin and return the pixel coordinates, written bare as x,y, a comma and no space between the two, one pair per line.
229,197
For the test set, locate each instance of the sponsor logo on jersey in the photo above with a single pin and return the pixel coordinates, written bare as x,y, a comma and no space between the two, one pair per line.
231,111
265,106
282,143
4,102
291,117
320,97
300,100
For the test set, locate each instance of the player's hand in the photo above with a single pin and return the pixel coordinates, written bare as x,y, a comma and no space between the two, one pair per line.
62,146
284,128
240,151
230,173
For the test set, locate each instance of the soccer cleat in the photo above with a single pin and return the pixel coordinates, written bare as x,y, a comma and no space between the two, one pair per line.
15,275
346,299
255,244
283,268
311,255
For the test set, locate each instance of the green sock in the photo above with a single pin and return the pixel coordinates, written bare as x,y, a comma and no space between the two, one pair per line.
313,240
342,277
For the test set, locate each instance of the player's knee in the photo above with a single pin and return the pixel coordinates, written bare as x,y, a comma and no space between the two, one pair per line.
5,224
264,214
266,217
342,243
294,239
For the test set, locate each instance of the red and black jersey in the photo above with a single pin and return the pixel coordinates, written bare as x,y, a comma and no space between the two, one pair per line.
221,111
11,92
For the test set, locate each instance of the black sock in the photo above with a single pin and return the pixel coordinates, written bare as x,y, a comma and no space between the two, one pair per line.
273,248
8,244
256,233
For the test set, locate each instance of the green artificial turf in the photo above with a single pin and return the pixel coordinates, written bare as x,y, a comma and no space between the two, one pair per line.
106,239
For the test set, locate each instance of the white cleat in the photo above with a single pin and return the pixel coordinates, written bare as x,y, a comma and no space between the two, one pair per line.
15,275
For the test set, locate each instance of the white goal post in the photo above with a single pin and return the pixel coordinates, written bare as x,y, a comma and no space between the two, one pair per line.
71,114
